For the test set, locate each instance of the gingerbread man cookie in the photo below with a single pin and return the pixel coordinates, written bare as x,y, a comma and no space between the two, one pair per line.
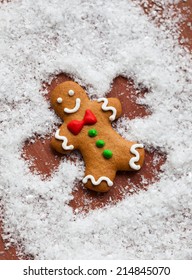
87,128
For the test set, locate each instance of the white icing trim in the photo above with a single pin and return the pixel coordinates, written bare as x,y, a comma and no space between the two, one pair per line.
71,92
65,141
107,108
96,183
59,100
136,157
75,109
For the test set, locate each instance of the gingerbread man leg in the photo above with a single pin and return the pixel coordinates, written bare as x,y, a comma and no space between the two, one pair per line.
99,177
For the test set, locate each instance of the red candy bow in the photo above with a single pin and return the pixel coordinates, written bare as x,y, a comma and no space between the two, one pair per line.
75,126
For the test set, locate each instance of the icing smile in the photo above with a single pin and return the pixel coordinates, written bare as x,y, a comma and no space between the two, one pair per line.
74,109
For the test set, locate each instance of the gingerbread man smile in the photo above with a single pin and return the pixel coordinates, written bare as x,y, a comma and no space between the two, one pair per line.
87,128
77,103
74,109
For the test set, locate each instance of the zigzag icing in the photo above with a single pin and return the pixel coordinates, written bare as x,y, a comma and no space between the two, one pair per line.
65,141
96,183
136,157
108,108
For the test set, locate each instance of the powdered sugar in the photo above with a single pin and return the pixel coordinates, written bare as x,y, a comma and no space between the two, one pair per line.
94,42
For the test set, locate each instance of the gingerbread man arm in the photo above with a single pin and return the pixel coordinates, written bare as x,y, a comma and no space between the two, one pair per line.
112,105
63,141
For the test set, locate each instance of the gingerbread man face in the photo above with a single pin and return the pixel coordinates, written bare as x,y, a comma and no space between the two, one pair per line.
87,128
68,98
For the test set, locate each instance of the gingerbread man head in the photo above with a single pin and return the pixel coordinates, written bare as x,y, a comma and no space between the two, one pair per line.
68,99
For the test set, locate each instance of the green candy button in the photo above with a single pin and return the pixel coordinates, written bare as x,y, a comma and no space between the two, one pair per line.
107,154
100,143
92,132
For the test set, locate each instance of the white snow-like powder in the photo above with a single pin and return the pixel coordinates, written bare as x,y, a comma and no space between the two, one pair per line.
94,41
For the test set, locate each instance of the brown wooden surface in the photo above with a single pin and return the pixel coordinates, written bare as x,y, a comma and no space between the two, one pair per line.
6,254
45,160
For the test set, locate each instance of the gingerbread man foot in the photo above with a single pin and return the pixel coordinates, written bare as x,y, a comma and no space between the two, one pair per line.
87,128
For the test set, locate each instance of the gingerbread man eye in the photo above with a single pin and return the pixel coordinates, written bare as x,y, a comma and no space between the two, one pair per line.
71,92
59,100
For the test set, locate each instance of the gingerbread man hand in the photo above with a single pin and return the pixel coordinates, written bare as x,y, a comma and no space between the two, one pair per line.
87,128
